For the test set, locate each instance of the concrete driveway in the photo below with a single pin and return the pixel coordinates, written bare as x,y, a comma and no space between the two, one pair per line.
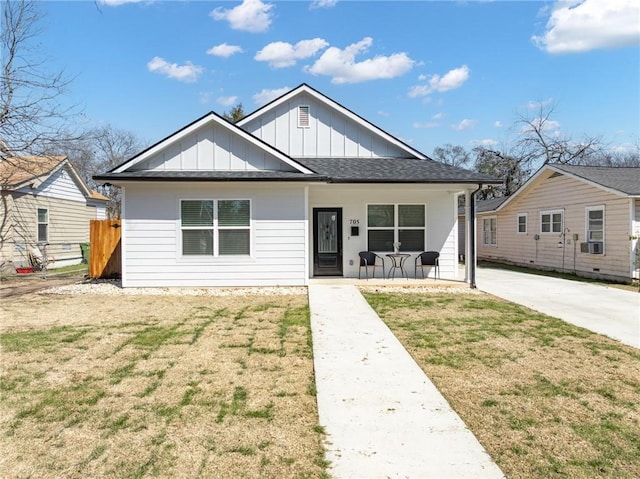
609,311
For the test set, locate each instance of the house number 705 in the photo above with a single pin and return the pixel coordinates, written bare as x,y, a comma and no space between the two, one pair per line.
354,222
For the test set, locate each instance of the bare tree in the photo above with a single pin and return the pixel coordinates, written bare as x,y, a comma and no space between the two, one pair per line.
100,150
513,169
454,155
32,113
544,143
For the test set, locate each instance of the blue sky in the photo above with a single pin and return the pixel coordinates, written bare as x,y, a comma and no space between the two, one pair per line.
429,73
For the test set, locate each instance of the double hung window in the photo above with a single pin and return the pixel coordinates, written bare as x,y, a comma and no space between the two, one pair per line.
595,223
396,223
521,223
489,231
551,222
43,225
215,227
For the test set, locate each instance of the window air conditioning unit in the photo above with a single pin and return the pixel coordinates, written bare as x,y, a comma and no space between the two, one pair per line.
595,247
584,247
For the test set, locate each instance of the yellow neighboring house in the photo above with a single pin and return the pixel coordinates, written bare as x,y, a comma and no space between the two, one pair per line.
44,204
578,219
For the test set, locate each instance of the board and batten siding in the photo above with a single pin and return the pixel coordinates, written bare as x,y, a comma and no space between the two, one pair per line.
151,237
212,147
330,133
561,192
441,220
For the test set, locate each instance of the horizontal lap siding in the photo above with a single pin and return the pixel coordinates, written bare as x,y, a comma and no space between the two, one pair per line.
573,196
152,229
68,225
441,211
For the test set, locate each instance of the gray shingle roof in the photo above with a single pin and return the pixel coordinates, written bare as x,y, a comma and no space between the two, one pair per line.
623,179
340,170
391,170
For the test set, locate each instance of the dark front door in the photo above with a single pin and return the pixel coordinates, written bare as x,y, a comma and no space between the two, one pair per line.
327,241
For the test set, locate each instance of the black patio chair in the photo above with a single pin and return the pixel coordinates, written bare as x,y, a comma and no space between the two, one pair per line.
430,260
368,259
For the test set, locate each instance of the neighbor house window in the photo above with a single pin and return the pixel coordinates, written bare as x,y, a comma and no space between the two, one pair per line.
595,223
215,227
43,225
489,231
401,223
551,221
303,117
521,223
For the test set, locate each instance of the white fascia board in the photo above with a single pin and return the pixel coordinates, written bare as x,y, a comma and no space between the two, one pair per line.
211,117
304,88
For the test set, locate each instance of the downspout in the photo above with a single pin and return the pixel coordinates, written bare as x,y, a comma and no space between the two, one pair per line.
472,237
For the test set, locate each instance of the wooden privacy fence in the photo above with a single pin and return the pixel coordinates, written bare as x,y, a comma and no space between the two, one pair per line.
104,249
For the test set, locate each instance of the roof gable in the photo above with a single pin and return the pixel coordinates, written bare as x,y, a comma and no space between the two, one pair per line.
195,146
20,171
619,181
362,138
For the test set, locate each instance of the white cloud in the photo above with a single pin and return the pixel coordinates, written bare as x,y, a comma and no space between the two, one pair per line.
550,127
341,65
204,97
227,100
282,54
579,26
464,124
188,73
250,16
383,113
265,96
498,124
438,116
487,142
449,81
323,3
223,50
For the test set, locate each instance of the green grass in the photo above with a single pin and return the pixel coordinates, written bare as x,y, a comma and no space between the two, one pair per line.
126,386
545,398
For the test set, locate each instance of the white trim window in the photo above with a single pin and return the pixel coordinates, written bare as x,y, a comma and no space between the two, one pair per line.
490,231
396,223
521,223
43,225
551,222
215,227
594,222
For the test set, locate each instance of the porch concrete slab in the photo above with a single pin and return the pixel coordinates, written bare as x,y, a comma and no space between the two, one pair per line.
605,310
383,417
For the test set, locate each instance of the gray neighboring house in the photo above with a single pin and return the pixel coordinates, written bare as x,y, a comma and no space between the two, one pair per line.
293,191
580,219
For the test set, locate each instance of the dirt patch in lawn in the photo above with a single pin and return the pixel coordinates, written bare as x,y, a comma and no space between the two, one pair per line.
545,398
166,386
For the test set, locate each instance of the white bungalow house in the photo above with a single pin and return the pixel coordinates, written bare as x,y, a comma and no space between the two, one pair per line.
44,204
293,191
579,219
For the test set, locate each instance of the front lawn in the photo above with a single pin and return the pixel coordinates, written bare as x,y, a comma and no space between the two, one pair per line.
545,398
158,386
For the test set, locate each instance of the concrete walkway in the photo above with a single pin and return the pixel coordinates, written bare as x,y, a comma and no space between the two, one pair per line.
605,310
383,416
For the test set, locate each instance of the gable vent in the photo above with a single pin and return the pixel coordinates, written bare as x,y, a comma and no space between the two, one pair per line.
303,117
